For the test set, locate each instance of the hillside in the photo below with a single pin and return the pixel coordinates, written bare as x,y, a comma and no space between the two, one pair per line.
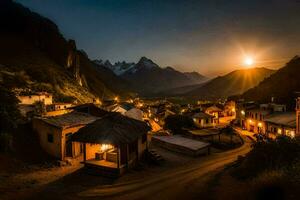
148,78
282,85
32,45
233,83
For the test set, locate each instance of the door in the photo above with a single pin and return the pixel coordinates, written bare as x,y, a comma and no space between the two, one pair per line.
69,146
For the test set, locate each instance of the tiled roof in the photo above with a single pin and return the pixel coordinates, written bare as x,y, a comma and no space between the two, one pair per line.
70,119
282,118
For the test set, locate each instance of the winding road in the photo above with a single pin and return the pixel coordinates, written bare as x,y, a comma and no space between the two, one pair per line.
179,183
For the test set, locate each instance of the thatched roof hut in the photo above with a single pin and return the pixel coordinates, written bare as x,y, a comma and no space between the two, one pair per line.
113,128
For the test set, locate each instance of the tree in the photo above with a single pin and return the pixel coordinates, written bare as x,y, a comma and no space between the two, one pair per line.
176,123
9,115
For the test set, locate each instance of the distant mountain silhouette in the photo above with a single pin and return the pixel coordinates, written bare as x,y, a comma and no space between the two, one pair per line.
233,83
148,78
283,86
33,44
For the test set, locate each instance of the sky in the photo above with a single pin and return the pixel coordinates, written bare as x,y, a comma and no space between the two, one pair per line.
211,37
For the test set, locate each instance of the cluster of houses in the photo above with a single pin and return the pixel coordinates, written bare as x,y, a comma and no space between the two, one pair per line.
269,119
114,136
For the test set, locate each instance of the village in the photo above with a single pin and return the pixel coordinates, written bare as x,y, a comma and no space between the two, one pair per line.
152,100
113,138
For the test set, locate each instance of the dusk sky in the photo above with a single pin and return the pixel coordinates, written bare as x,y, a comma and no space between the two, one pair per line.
210,37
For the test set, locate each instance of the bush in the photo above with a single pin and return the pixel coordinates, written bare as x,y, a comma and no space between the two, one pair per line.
276,154
176,123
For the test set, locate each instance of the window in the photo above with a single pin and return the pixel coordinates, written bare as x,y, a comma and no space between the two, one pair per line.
50,138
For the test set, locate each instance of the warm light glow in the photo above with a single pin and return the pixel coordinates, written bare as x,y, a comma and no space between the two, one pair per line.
233,109
105,147
139,105
116,98
243,112
259,124
248,61
279,131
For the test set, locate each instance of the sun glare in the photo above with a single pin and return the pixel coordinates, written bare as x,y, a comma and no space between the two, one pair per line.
248,61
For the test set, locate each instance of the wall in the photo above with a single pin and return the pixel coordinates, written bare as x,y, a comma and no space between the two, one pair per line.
47,99
201,123
75,145
58,147
91,149
141,147
276,130
43,129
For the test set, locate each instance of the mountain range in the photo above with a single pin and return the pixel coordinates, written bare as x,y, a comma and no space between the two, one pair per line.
147,77
35,55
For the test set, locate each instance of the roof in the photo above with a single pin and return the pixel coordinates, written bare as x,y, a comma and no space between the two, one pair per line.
214,109
126,106
114,128
183,142
282,118
90,108
70,119
261,111
202,115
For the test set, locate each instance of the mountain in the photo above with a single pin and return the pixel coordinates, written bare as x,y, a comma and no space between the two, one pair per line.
233,83
178,91
196,77
146,77
283,86
33,50
118,68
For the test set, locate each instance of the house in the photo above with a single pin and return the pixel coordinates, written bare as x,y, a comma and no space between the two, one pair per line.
129,110
258,119
282,123
89,108
113,143
202,120
214,111
255,120
59,106
242,108
44,97
54,133
229,108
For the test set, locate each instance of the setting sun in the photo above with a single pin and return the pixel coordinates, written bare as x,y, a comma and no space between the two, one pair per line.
248,61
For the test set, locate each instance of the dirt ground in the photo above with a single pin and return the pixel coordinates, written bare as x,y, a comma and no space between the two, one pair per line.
179,177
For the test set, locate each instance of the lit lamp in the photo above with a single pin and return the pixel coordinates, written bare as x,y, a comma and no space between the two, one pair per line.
105,147
259,124
243,112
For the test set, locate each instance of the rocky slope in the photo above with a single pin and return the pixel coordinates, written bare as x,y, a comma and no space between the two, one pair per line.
33,45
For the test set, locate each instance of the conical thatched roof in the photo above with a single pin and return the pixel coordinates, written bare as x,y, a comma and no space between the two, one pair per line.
113,128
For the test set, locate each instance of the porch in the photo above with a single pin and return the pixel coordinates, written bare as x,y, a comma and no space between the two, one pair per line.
109,160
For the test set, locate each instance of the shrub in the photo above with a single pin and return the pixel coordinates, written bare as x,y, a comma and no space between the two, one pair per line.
280,153
176,123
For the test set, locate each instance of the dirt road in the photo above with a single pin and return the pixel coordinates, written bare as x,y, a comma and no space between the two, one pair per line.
180,183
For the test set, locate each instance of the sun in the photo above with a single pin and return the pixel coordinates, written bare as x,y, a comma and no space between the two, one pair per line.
248,61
